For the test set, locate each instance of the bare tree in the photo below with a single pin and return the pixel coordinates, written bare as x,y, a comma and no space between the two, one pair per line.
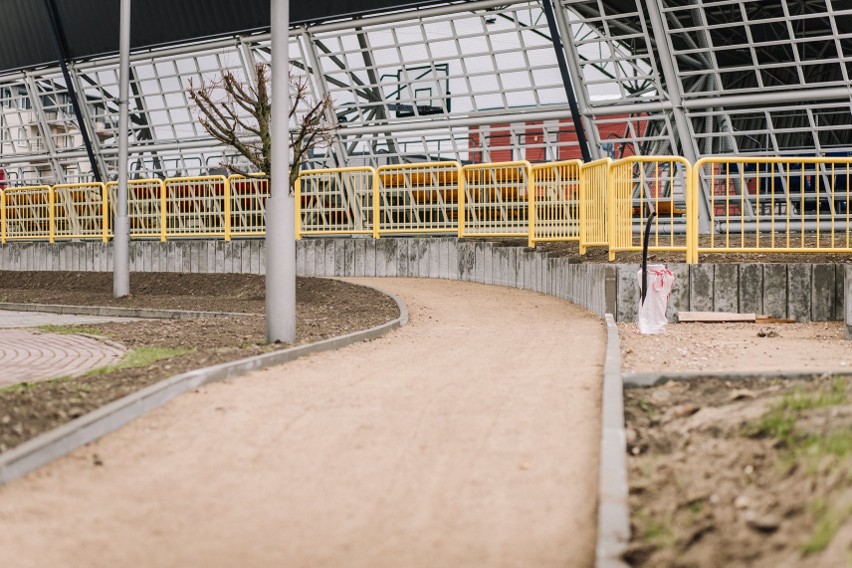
239,115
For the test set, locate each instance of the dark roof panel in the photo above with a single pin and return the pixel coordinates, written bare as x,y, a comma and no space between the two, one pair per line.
91,26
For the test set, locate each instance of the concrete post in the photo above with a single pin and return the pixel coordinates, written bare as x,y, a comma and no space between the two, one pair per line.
121,227
280,209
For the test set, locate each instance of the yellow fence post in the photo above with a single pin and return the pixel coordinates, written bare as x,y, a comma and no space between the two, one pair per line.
297,207
377,206
3,216
105,209
460,200
51,231
227,190
610,210
163,211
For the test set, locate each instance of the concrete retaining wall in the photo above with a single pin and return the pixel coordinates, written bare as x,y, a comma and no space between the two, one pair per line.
805,292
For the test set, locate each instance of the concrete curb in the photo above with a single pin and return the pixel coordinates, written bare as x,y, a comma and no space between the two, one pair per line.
106,311
639,380
613,510
58,442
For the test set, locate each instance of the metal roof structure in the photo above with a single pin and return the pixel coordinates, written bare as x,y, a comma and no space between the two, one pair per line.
90,27
470,81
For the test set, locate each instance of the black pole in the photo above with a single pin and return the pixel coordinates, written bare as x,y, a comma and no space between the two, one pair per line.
62,52
566,80
644,287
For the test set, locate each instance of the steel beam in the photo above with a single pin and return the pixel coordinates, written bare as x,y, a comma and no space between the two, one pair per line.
61,47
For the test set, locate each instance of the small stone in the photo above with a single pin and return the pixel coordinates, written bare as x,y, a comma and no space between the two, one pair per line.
748,470
742,502
635,450
714,499
762,523
683,410
96,459
741,394
631,435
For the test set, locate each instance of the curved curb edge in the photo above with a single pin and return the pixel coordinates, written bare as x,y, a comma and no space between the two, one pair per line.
62,440
109,311
613,510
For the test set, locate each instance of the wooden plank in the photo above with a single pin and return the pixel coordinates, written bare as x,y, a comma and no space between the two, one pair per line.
714,317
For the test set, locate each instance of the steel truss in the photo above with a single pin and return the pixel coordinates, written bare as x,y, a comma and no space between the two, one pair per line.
477,81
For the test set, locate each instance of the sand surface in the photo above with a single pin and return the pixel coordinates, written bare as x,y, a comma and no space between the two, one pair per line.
737,347
468,438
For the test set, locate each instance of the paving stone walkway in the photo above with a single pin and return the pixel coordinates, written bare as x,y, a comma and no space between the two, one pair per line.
27,356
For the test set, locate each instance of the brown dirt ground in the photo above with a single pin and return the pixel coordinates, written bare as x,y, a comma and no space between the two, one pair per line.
325,308
751,473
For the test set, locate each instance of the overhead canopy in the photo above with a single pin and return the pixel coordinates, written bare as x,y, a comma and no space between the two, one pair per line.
90,27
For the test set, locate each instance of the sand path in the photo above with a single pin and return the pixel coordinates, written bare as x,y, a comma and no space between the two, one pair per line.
468,438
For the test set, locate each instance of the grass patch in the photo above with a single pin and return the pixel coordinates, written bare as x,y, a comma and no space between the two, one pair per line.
780,421
141,357
68,329
827,521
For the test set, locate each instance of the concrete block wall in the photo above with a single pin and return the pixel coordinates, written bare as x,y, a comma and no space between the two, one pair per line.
805,292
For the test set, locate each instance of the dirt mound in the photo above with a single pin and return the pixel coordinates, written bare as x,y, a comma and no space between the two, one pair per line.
753,473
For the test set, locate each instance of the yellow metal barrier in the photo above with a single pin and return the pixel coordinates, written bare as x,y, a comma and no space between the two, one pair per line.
335,201
28,213
248,205
79,211
789,204
640,185
496,203
144,207
196,207
555,202
594,185
418,198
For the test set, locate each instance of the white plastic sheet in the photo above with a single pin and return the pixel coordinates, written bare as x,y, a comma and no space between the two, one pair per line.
652,314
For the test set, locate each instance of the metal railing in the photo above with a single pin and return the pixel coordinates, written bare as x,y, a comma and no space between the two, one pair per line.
640,185
792,205
554,202
28,213
594,194
335,201
754,204
418,198
496,203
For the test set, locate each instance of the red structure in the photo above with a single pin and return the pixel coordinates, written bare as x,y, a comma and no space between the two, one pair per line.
494,143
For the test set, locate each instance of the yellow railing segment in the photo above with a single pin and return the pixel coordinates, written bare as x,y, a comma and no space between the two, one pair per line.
248,205
779,204
144,207
335,201
196,206
28,213
79,211
594,185
418,198
496,203
640,185
554,202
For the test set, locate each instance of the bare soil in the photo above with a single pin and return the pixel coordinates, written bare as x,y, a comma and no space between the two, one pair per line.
749,473
325,308
740,473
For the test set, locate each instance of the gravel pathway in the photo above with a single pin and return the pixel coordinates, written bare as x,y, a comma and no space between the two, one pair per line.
468,438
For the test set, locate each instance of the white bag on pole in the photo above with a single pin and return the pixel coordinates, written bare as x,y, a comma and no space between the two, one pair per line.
652,314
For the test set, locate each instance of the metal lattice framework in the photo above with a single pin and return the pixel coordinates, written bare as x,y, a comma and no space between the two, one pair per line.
477,82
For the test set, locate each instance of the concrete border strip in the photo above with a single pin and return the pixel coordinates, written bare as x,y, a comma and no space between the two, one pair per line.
639,380
58,442
613,509
108,311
